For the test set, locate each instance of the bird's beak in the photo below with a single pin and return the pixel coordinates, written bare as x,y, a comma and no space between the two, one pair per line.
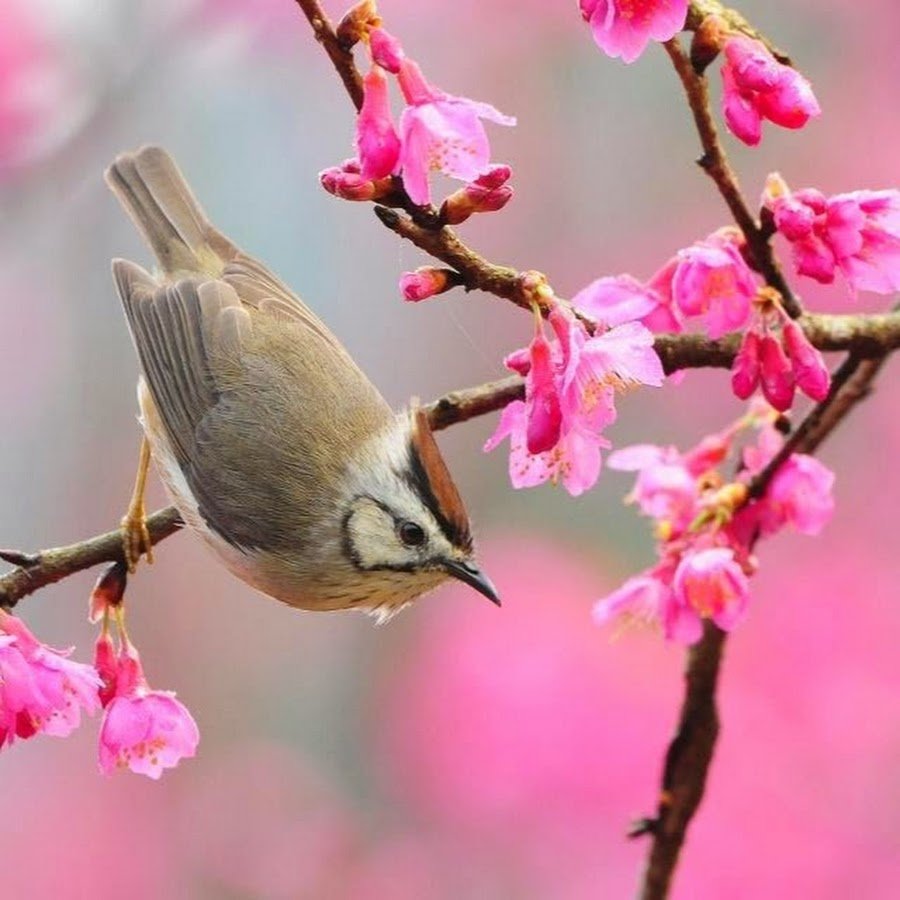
474,577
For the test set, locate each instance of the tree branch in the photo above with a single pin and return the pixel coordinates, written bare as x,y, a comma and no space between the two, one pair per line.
715,163
690,752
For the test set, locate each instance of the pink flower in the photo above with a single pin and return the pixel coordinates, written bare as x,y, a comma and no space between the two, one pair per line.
857,233
440,132
41,691
799,496
708,584
640,599
665,488
756,86
711,279
623,28
574,460
745,369
542,406
144,730
810,372
386,50
377,142
776,375
425,282
616,299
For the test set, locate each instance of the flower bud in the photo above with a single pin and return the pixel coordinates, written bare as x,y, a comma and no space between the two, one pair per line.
346,182
356,23
487,193
810,372
107,667
108,591
387,51
377,142
426,282
775,374
745,369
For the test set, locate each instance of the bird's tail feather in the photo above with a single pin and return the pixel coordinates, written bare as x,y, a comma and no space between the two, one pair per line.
155,195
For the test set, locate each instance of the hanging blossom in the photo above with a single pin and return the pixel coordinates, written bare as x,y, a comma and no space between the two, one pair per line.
438,132
41,690
144,730
776,356
441,133
624,28
707,528
755,86
570,384
709,281
857,233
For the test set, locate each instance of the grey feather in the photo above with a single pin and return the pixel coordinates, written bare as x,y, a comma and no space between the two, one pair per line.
249,384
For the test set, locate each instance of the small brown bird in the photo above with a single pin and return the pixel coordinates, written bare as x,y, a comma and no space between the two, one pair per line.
274,446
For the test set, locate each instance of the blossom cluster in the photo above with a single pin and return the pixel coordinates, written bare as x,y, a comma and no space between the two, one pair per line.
707,527
42,691
555,433
437,131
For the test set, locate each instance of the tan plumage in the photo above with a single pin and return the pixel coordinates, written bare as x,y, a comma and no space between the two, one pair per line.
276,448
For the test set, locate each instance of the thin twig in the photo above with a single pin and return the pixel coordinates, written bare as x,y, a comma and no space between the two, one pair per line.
715,163
341,57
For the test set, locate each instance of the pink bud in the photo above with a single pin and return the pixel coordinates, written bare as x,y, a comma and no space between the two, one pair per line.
776,375
376,138
386,50
810,371
544,417
745,369
346,185
424,283
107,668
487,193
518,361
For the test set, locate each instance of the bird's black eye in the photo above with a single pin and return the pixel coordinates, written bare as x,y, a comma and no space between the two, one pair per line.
411,534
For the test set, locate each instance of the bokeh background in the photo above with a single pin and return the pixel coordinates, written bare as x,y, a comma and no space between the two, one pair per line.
461,751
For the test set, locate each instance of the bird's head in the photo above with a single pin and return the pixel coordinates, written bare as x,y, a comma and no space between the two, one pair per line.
405,520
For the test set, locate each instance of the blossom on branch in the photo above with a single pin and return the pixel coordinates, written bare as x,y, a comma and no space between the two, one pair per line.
41,691
440,132
624,28
144,730
755,86
570,387
857,233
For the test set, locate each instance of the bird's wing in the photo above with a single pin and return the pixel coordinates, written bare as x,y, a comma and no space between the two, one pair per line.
262,406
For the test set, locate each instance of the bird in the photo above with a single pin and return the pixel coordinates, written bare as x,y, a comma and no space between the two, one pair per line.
274,446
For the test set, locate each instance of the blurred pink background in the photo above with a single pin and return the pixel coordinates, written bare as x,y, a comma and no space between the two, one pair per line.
461,751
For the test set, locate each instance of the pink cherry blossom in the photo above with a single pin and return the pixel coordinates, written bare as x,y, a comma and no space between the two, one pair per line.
440,132
810,372
745,369
386,50
756,86
710,279
377,142
776,375
144,730
575,460
616,299
708,584
799,496
623,28
640,600
41,691
665,488
542,402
